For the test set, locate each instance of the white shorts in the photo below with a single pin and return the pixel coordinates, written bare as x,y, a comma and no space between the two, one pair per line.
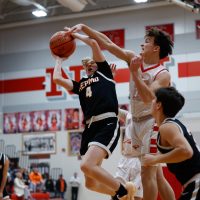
144,136
129,169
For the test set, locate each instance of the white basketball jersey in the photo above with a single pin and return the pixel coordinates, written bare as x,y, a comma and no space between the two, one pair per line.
148,73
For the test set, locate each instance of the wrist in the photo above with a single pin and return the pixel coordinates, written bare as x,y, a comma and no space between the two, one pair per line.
84,27
1,194
135,74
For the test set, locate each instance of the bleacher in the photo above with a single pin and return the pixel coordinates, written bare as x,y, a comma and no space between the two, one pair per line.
18,160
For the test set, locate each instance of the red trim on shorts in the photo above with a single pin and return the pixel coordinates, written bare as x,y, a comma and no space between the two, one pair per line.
155,128
153,150
153,146
153,141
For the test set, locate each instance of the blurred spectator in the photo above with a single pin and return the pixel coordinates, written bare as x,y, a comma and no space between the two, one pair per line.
20,188
36,180
75,183
49,185
25,175
61,186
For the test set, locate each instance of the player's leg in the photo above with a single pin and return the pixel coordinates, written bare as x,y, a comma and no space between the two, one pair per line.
165,190
148,174
98,142
122,171
94,173
149,182
135,176
104,182
96,186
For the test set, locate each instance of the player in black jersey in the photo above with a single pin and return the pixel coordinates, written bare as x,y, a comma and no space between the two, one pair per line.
99,104
4,165
176,144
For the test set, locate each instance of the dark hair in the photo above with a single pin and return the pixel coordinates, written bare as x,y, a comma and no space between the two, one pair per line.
163,40
172,101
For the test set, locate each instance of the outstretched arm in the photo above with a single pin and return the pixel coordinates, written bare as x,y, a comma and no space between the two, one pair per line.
105,42
96,51
57,76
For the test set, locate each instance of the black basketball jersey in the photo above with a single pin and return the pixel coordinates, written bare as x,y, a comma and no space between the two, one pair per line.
184,170
97,93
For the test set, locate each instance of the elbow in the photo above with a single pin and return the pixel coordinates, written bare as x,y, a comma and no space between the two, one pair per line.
109,46
93,43
188,153
106,44
56,80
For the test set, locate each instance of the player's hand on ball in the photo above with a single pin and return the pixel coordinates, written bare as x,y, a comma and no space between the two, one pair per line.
62,44
77,28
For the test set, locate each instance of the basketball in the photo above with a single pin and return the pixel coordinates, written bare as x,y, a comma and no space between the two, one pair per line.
62,44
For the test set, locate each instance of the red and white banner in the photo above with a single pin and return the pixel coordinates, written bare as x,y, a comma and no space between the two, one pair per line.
116,36
37,86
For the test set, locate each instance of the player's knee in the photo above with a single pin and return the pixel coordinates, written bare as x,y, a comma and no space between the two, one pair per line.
89,184
85,167
148,173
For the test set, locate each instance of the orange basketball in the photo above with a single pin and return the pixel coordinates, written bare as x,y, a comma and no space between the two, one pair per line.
62,44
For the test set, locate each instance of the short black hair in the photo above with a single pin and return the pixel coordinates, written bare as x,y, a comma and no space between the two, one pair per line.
172,101
162,39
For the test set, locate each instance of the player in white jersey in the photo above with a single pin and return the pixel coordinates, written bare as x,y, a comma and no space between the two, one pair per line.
129,167
143,137
157,45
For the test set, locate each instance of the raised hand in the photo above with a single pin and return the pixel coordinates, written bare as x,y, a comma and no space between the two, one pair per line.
74,29
136,63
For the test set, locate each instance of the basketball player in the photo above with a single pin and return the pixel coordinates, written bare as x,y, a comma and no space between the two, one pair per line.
176,144
147,75
129,167
99,104
4,165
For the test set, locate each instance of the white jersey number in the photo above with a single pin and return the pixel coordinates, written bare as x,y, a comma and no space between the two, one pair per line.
88,92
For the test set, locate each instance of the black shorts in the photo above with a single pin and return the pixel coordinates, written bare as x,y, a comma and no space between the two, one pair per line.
5,194
192,191
104,133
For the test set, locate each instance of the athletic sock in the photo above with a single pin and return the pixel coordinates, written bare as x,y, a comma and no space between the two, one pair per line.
114,197
120,192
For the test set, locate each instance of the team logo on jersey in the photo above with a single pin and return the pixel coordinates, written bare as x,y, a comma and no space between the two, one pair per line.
88,82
